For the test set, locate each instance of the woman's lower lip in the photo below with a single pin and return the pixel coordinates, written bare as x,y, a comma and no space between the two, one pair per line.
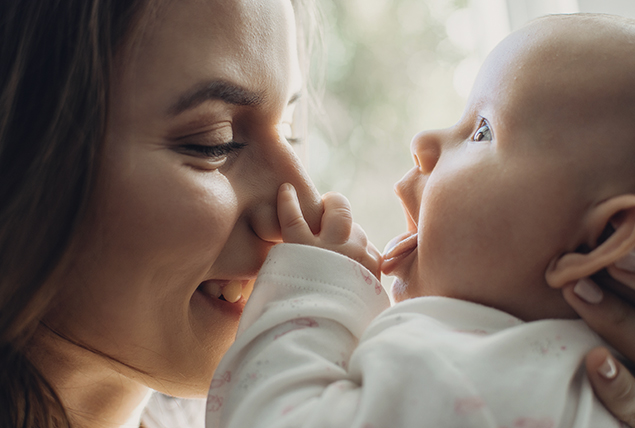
397,249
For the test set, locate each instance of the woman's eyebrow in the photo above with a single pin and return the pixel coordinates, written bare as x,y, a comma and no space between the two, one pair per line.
295,97
222,90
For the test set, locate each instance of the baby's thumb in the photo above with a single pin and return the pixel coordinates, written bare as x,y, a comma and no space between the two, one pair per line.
293,226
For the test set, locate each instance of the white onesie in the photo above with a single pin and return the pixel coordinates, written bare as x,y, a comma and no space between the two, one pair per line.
318,346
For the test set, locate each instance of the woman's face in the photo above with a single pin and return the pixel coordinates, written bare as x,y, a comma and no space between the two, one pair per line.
185,198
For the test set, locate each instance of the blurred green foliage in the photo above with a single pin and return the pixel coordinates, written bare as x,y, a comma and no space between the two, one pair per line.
390,69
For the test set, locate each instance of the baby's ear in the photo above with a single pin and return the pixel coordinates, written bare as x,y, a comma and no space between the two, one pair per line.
617,214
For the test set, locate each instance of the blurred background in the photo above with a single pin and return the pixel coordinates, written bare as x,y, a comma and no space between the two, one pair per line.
394,68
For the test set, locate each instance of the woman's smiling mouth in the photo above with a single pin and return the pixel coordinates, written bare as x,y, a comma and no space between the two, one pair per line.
227,290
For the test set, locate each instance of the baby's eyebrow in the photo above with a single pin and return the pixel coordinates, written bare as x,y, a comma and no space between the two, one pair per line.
222,90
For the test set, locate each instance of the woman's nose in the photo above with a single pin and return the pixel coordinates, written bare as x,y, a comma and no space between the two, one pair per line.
426,149
279,164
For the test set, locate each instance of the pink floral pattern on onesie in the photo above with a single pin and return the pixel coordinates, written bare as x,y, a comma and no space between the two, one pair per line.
217,382
214,403
368,278
468,405
533,423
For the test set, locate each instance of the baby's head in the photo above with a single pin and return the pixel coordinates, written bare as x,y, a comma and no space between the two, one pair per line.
517,194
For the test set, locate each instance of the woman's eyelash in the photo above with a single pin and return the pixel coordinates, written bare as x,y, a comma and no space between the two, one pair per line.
294,140
213,151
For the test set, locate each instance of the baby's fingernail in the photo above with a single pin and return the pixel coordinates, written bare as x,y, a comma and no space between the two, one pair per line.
588,291
287,187
627,263
608,370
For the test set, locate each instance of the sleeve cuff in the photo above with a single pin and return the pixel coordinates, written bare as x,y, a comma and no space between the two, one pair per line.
300,280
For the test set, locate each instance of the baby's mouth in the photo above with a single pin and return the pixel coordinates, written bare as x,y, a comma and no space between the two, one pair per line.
398,248
229,291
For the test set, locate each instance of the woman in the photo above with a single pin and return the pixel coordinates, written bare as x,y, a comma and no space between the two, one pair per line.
140,156
158,126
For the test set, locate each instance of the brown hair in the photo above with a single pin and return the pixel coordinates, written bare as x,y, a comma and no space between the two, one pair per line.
56,59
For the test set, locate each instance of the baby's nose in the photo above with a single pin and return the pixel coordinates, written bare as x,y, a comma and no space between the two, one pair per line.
426,149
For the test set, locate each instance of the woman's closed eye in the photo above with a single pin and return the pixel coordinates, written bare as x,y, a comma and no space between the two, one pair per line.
213,155
483,133
211,151
289,134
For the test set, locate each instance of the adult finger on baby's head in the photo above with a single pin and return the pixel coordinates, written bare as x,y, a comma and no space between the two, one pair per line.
613,384
293,226
337,220
610,316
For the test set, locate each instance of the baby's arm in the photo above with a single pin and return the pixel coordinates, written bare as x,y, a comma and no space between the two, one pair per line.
304,319
338,231
289,364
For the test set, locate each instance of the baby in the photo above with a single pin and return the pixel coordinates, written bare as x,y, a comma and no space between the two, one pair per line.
533,188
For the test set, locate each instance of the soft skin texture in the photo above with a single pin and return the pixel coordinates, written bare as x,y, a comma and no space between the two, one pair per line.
166,216
338,232
503,200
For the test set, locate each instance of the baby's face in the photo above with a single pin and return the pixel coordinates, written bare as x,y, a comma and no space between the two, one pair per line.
498,195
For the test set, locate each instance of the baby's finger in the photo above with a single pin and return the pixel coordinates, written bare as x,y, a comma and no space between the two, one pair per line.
611,317
293,226
337,220
613,384
376,258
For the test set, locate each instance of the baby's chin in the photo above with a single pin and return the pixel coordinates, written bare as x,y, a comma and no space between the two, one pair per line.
399,290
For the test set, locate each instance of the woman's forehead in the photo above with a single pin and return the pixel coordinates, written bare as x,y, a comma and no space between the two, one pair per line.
191,42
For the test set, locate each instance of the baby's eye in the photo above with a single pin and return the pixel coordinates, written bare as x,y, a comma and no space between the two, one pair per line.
483,133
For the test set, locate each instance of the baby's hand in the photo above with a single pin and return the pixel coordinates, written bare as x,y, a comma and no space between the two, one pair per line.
338,232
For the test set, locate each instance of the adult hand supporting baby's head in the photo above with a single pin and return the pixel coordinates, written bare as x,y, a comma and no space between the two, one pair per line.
599,284
613,317
338,232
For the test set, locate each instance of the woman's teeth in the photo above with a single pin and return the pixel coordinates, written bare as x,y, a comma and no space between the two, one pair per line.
211,288
248,288
231,291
